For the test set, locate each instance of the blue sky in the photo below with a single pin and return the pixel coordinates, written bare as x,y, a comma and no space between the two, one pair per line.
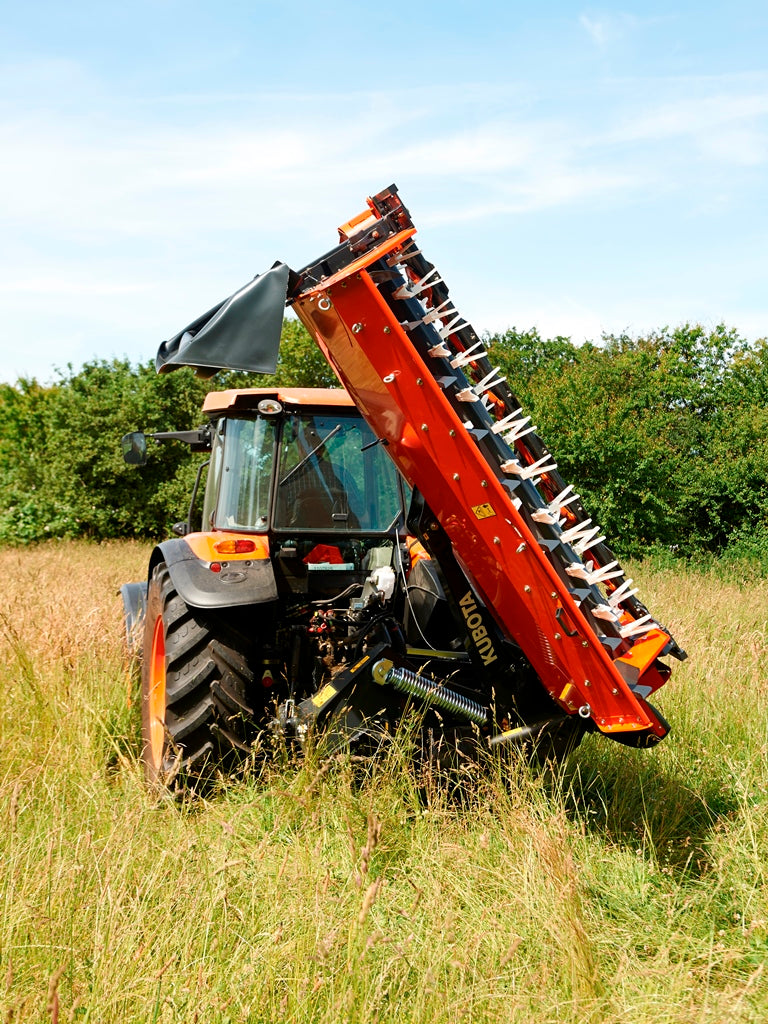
571,167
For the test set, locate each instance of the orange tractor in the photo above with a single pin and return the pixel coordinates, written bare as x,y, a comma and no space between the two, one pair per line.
406,541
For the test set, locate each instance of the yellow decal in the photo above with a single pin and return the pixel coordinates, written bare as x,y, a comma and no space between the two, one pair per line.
483,511
324,695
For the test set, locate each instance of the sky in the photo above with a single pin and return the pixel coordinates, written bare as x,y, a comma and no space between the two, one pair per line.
574,168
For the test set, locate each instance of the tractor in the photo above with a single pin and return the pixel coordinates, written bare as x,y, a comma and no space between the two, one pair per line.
405,541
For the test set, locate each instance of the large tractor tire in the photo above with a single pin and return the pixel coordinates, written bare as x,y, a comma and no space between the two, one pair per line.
196,721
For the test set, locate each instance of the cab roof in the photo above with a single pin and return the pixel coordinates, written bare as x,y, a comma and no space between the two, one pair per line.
245,399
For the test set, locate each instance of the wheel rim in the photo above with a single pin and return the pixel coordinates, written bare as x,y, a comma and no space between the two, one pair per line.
156,696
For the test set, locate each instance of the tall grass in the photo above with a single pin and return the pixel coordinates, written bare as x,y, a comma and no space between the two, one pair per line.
628,886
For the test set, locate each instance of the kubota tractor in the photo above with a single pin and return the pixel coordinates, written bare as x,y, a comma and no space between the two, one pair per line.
407,541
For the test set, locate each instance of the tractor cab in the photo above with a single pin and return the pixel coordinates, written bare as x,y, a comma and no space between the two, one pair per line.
298,475
298,462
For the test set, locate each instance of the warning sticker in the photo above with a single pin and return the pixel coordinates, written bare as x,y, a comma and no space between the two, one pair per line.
324,695
483,511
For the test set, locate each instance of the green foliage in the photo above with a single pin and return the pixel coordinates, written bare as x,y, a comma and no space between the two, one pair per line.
62,471
664,435
61,467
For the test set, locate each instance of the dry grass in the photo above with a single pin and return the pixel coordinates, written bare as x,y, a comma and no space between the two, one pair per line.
629,887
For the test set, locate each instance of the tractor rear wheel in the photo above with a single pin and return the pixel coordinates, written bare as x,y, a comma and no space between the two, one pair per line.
195,716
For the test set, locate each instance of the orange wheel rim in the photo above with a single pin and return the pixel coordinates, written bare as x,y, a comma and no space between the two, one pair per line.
156,696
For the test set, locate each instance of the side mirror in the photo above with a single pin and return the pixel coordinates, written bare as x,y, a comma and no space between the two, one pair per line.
135,448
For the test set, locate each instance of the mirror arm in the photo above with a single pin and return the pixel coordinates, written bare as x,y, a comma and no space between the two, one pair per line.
198,440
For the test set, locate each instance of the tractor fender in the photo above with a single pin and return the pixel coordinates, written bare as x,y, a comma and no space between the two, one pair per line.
243,582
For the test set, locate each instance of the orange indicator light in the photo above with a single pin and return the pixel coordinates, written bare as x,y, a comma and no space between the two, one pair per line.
234,547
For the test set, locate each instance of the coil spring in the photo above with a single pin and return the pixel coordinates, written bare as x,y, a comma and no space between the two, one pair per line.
434,692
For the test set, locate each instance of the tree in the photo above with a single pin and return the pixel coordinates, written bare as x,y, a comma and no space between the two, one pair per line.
61,468
663,435
660,434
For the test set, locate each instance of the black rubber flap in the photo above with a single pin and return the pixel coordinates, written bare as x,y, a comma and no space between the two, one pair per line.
241,333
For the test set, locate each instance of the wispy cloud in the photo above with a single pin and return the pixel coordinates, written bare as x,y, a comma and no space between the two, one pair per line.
86,179
122,220
60,281
605,29
694,115
723,127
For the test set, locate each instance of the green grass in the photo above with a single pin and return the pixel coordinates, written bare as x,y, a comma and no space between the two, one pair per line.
629,886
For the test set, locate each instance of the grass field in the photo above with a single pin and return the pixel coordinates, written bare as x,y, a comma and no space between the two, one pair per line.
627,887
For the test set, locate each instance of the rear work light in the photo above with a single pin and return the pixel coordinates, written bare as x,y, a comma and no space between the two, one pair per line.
269,407
234,547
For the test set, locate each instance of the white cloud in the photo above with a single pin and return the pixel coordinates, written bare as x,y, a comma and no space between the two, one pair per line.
91,178
97,180
122,227
605,29
62,282
696,115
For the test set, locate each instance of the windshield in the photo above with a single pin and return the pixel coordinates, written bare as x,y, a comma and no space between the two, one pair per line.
326,479
240,475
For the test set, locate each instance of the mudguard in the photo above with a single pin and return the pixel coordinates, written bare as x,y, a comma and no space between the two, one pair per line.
246,581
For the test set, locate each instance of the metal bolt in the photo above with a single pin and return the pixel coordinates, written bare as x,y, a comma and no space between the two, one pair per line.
553,595
455,476
356,328
614,691
557,636
527,589
497,540
387,330
520,548
420,382
424,426
587,682
451,433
